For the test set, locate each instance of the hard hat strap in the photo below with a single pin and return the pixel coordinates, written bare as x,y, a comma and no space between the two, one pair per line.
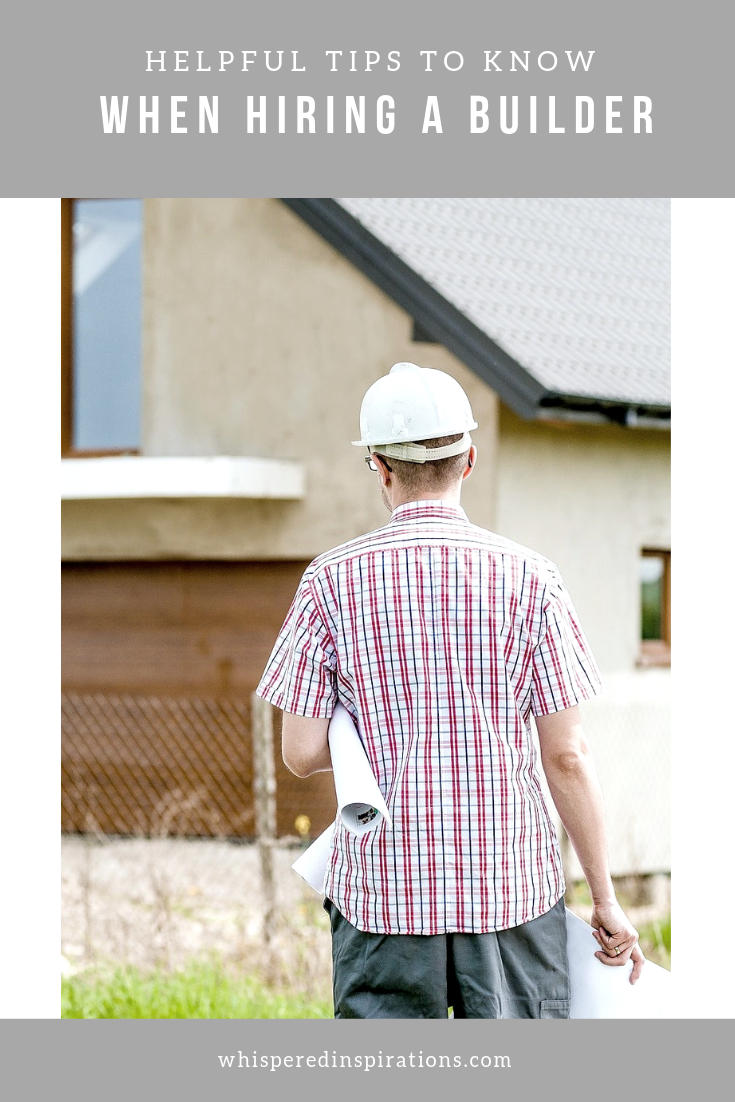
418,453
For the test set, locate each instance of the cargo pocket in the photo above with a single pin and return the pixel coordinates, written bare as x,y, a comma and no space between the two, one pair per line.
554,1008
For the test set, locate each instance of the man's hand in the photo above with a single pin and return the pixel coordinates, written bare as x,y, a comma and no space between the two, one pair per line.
616,937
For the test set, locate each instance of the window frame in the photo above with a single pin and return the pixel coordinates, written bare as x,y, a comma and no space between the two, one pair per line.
68,451
657,652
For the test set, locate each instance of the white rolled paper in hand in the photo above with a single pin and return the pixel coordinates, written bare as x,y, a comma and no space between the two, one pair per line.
603,991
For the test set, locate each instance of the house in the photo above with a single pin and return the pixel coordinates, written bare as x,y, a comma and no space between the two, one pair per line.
216,352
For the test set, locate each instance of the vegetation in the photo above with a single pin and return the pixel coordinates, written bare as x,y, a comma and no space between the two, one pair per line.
655,941
204,989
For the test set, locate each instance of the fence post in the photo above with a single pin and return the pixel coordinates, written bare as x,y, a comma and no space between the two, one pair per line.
264,799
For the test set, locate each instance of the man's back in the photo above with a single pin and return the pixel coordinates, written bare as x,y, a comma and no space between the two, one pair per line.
441,639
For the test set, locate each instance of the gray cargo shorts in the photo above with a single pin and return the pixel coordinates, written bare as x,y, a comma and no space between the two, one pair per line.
518,973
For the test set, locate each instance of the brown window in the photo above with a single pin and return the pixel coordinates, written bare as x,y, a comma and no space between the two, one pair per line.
101,325
655,607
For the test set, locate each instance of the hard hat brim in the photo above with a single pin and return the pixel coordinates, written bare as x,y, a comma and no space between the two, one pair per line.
378,443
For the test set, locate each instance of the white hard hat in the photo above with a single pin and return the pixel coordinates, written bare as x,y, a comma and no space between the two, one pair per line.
414,403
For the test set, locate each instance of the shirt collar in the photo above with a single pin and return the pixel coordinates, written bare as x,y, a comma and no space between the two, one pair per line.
423,510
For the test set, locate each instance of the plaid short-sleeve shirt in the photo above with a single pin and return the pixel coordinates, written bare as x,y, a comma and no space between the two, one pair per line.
441,639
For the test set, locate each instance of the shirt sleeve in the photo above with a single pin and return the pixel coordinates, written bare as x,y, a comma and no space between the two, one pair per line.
300,674
564,668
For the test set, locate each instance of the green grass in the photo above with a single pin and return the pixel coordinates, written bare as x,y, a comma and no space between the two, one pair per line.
655,940
201,990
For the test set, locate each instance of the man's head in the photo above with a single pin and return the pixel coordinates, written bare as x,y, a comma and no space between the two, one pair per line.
415,423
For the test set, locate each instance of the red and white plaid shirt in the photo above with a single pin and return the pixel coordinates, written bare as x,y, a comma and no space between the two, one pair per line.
441,639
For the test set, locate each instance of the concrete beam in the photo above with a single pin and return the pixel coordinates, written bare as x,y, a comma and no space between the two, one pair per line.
220,476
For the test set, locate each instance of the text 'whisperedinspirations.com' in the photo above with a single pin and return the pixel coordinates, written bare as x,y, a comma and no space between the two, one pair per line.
360,1061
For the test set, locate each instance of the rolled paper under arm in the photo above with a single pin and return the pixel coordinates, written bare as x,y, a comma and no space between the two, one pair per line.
360,803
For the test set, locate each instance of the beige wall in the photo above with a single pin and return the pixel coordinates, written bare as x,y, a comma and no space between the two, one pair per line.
260,339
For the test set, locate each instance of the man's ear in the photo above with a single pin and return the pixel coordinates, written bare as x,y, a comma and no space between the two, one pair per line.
383,467
471,460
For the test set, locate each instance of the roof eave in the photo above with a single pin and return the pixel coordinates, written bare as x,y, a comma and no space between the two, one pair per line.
447,325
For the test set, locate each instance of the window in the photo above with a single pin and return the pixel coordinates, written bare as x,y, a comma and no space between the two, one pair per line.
101,325
655,606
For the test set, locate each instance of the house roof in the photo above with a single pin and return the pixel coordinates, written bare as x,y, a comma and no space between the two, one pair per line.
561,305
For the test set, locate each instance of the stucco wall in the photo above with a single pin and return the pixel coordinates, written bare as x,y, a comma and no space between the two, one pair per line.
260,339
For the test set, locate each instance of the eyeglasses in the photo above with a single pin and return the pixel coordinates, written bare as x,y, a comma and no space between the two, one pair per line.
371,463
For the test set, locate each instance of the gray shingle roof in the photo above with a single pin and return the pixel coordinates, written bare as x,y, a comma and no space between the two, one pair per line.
575,290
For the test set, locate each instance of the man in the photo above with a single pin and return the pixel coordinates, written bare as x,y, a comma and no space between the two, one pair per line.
442,639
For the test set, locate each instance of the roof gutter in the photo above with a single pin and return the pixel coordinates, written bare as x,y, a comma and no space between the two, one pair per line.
595,411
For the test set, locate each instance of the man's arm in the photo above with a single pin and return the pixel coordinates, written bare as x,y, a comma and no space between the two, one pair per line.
304,745
575,790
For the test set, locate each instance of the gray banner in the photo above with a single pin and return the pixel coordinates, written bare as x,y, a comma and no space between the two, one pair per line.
586,71
191,1060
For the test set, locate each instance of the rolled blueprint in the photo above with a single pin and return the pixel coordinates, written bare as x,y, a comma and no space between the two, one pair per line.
359,800
360,803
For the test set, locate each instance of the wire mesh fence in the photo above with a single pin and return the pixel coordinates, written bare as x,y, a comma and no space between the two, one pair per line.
155,765
171,846
160,766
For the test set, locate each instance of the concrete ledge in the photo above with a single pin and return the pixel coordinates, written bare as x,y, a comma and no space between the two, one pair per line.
223,476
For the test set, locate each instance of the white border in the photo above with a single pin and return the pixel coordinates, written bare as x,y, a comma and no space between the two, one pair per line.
29,806
703,286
